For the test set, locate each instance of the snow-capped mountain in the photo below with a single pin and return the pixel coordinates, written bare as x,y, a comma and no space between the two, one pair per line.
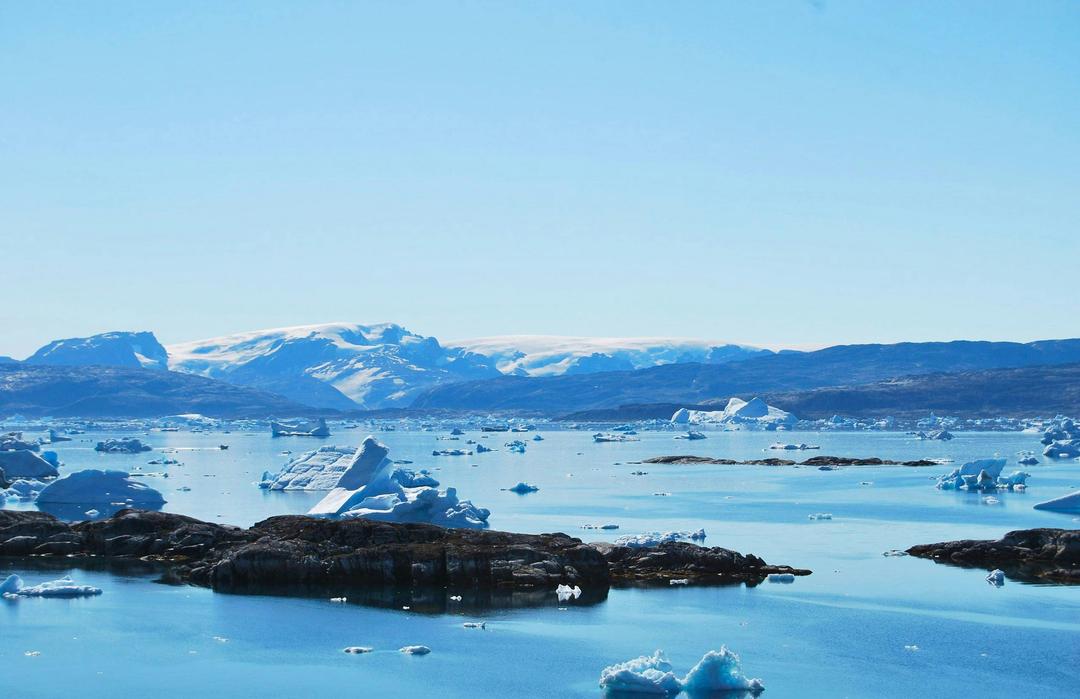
551,355
121,349
334,365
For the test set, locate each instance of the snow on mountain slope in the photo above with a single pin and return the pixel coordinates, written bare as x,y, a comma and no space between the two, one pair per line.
552,355
333,365
121,349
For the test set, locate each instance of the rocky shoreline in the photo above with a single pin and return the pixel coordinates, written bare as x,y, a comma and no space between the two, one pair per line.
298,555
773,461
1031,555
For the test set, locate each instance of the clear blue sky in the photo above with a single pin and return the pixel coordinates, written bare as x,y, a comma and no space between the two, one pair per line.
781,173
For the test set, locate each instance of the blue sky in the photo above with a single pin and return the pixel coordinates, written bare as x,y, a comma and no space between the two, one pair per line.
778,173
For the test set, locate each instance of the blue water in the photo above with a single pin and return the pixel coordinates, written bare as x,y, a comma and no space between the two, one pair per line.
840,632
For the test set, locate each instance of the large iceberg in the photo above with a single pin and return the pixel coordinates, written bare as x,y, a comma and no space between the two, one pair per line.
96,487
299,428
738,413
23,463
314,470
651,675
1066,503
650,539
982,475
374,487
1064,449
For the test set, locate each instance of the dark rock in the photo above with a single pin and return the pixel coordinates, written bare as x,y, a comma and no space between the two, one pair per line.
813,461
688,460
1026,554
680,560
296,555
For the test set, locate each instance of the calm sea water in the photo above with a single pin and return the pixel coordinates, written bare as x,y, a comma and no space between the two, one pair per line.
841,632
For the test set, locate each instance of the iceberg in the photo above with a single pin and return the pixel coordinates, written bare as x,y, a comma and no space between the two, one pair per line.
374,487
565,592
415,650
982,475
122,446
650,539
22,489
517,446
522,488
1066,503
738,413
651,675
320,469
719,671
613,437
1065,449
299,428
64,587
13,441
95,487
23,463
648,675
691,436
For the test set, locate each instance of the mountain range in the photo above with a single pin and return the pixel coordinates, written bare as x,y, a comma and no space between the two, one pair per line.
348,367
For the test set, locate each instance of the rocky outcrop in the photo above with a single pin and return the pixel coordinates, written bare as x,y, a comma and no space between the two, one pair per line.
293,554
813,461
1026,554
678,560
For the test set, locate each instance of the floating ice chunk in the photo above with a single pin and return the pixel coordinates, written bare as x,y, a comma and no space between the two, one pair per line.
358,650
522,488
565,592
339,600
996,578
64,587
679,581
719,671
481,449
692,436
517,446
22,489
792,447
11,585
475,624
415,650
975,475
24,463
613,437
320,469
647,675
820,515
912,648
96,487
895,553
649,539
1066,503
784,578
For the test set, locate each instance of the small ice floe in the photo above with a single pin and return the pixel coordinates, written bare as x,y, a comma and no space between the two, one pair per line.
991,500
565,592
517,446
983,475
221,639
415,650
522,488
613,437
455,598
32,653
717,672
692,436
996,578
912,648
639,473
13,588
357,650
679,581
784,578
91,513
866,482
662,495
637,541
600,526
339,600
475,625
897,553
820,515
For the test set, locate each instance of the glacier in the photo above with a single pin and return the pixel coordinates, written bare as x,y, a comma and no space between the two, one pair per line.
550,355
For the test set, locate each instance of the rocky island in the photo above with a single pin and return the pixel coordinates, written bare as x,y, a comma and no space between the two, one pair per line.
1048,555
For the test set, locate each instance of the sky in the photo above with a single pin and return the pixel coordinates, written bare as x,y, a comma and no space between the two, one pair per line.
784,173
